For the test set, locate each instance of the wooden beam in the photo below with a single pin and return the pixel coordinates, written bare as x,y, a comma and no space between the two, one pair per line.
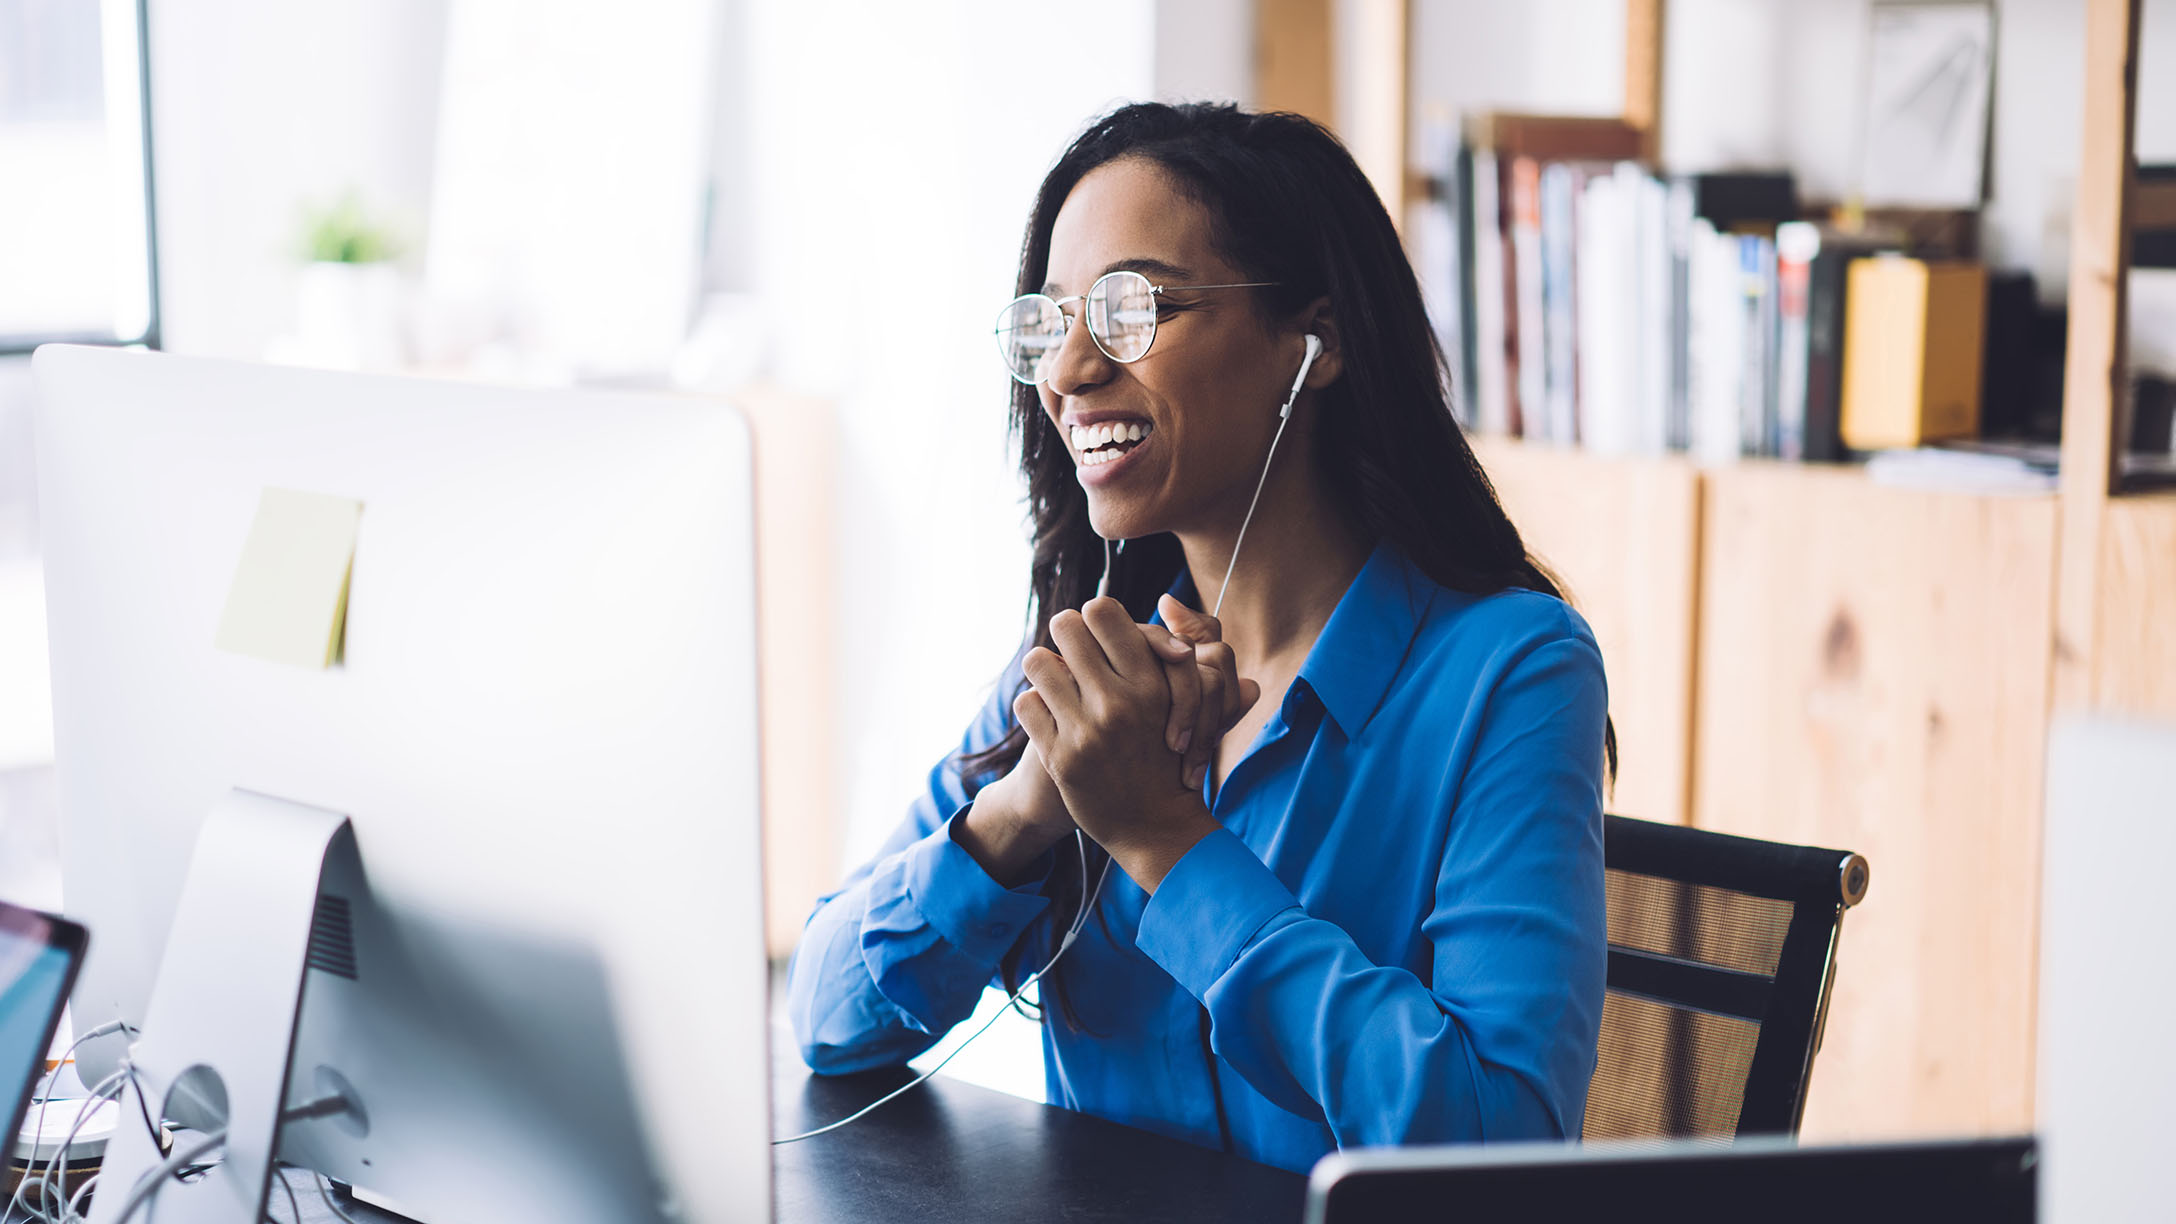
1643,27
1293,69
2097,366
1371,106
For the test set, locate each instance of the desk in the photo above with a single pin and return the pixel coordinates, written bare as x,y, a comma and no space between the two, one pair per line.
952,1152
955,1153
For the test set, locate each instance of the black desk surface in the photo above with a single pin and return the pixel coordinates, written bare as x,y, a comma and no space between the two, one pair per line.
952,1152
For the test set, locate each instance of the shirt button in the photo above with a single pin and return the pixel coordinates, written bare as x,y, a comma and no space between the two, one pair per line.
995,929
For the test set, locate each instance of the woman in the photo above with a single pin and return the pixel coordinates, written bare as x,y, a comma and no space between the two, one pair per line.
1367,910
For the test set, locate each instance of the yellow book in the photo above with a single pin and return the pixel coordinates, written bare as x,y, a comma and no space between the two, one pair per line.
1913,337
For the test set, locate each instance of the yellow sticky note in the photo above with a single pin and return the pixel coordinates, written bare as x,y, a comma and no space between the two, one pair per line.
289,600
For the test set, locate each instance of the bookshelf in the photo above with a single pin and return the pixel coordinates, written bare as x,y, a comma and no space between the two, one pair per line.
1799,653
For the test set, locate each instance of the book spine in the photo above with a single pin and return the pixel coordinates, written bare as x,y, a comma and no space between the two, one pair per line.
1466,360
1825,284
1651,306
1678,222
1559,320
1491,366
1531,370
1752,356
1716,348
1601,385
1796,245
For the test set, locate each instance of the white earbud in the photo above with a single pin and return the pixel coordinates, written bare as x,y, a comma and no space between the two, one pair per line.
1314,350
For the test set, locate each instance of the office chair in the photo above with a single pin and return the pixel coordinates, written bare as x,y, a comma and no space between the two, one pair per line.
1721,954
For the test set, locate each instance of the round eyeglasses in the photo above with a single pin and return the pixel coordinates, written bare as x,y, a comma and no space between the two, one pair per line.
1121,311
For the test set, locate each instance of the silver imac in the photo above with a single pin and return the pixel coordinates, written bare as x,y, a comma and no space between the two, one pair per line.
519,814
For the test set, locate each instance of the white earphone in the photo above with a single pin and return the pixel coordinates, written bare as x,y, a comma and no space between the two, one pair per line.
1314,350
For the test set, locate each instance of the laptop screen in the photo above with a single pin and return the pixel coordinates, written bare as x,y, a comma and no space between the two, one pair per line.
38,958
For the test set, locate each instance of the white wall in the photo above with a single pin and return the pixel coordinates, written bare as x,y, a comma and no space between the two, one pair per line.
895,152
260,108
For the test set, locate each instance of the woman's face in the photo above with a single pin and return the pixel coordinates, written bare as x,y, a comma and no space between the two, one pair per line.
1205,397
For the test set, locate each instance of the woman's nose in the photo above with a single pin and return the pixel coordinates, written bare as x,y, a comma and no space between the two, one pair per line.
1080,364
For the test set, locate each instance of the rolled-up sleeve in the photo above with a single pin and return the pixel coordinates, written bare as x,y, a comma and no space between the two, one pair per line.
901,952
1499,1042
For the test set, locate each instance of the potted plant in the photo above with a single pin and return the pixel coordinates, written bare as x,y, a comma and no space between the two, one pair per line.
348,307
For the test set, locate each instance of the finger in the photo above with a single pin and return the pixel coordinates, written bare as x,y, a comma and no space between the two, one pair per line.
1034,717
1166,645
1196,627
1120,638
1209,725
1218,655
1185,677
1079,646
1052,678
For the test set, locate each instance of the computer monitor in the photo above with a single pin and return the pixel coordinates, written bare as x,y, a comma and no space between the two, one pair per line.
549,998
1687,1181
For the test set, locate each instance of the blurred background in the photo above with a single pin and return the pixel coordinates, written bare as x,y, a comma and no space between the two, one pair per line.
815,207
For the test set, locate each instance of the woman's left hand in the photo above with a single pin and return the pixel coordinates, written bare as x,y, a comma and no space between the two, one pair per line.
1097,709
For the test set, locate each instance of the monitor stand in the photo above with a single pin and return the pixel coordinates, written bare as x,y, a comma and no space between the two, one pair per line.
221,1022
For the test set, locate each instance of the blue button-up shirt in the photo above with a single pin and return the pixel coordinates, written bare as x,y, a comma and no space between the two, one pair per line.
1398,937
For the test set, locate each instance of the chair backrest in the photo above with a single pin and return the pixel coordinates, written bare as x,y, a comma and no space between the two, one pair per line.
1721,953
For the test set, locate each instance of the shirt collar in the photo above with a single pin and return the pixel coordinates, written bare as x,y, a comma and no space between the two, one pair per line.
1365,641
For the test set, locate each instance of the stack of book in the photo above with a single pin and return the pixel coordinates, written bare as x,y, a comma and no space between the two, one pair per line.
1583,299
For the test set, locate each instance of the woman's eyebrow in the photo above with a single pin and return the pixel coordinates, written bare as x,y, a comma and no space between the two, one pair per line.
1151,268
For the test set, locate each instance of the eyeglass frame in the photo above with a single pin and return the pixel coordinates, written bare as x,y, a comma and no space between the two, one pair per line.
1059,304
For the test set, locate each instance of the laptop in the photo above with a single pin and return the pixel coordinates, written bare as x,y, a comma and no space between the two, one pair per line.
39,955
1989,1181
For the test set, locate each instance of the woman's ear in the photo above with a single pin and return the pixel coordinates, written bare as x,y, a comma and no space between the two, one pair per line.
1317,321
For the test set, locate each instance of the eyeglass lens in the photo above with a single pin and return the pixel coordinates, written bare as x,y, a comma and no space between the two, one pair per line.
1120,309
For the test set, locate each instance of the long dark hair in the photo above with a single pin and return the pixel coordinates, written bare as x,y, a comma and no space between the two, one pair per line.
1287,204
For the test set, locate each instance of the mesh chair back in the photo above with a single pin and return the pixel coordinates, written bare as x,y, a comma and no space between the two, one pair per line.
1721,953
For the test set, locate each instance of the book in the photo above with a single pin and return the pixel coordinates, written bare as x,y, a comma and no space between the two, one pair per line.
1443,266
1528,361
1912,351
1827,295
1797,242
1756,302
1715,343
1491,359
1560,188
1651,301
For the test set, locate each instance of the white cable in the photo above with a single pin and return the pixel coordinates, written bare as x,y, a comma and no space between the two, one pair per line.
75,1201
1226,589
294,1209
1080,920
54,1179
150,1183
53,1077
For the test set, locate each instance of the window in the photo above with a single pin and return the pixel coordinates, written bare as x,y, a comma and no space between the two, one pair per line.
76,247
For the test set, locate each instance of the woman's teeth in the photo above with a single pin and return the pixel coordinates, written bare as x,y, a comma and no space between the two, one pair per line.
1107,440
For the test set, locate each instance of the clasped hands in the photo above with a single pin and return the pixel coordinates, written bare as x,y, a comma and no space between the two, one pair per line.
1123,722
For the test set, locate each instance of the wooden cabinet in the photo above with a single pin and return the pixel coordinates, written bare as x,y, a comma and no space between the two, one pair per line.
1874,677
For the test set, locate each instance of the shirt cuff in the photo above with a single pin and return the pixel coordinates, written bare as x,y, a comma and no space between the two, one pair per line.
1210,906
960,901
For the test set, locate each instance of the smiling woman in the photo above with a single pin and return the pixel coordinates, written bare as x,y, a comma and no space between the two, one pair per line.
1368,910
